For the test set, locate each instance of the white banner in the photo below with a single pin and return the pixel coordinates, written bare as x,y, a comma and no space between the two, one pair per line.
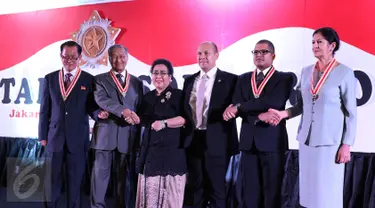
20,84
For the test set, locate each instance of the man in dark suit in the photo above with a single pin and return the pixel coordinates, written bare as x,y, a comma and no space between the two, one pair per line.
212,140
65,107
262,142
119,93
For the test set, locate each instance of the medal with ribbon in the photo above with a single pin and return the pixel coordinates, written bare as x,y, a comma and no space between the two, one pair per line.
315,89
65,92
121,89
258,90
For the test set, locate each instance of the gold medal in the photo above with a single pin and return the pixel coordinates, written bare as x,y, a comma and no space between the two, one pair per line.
315,97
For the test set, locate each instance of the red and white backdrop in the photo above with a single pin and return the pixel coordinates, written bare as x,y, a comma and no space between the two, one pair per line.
30,38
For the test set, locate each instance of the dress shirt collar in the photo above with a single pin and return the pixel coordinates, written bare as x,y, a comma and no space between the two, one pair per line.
73,72
123,73
211,73
265,71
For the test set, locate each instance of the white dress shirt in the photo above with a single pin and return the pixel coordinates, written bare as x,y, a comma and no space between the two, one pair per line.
207,95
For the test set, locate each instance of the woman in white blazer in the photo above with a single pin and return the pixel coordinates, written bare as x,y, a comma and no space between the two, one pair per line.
327,101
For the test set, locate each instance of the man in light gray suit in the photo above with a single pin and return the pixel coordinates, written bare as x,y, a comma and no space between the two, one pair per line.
117,137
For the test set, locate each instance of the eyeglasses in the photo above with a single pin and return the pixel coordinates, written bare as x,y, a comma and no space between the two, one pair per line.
260,52
71,58
162,73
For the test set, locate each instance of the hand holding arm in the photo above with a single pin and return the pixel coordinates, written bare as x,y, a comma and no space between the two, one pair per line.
230,112
103,115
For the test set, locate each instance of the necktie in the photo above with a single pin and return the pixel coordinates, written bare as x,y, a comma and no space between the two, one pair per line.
200,100
259,78
67,80
119,77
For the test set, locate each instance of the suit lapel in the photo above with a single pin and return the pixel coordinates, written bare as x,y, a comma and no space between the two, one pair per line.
56,85
248,92
216,90
74,89
189,89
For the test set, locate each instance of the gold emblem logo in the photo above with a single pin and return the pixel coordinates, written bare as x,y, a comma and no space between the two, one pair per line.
95,36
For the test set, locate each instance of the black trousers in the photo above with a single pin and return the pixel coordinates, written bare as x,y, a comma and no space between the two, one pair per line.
262,178
124,178
206,176
75,164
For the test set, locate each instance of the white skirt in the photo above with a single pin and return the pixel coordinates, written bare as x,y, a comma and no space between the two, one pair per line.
321,179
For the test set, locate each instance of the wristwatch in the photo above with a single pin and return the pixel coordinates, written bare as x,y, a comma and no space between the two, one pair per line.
164,124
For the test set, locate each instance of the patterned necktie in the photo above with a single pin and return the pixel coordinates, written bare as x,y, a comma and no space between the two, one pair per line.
119,77
67,80
259,78
200,100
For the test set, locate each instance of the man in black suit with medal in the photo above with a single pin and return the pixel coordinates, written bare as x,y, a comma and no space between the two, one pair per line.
65,107
212,141
263,137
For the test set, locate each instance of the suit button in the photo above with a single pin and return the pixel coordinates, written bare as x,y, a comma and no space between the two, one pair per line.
66,113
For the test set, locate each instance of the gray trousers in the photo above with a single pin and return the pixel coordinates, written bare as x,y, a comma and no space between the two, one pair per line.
123,172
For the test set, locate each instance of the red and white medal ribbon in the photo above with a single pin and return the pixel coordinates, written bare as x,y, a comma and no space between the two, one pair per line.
124,89
65,92
315,90
257,91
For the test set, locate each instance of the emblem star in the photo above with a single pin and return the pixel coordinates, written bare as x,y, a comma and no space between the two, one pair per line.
94,39
95,35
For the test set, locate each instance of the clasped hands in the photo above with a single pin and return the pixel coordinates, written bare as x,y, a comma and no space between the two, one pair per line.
272,116
129,116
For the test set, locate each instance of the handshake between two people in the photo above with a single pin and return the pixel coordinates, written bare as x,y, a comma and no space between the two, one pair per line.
272,116
129,116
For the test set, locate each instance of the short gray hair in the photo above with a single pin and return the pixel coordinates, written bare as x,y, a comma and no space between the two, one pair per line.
110,49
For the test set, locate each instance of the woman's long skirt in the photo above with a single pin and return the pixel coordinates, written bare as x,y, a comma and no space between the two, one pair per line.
160,191
321,178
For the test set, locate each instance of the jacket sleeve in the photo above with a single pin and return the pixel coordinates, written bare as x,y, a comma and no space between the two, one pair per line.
45,111
349,100
298,108
92,107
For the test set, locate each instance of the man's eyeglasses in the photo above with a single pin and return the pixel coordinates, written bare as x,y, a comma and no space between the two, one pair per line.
69,58
156,73
260,52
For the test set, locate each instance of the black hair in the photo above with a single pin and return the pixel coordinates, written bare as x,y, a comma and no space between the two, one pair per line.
329,35
165,62
71,43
